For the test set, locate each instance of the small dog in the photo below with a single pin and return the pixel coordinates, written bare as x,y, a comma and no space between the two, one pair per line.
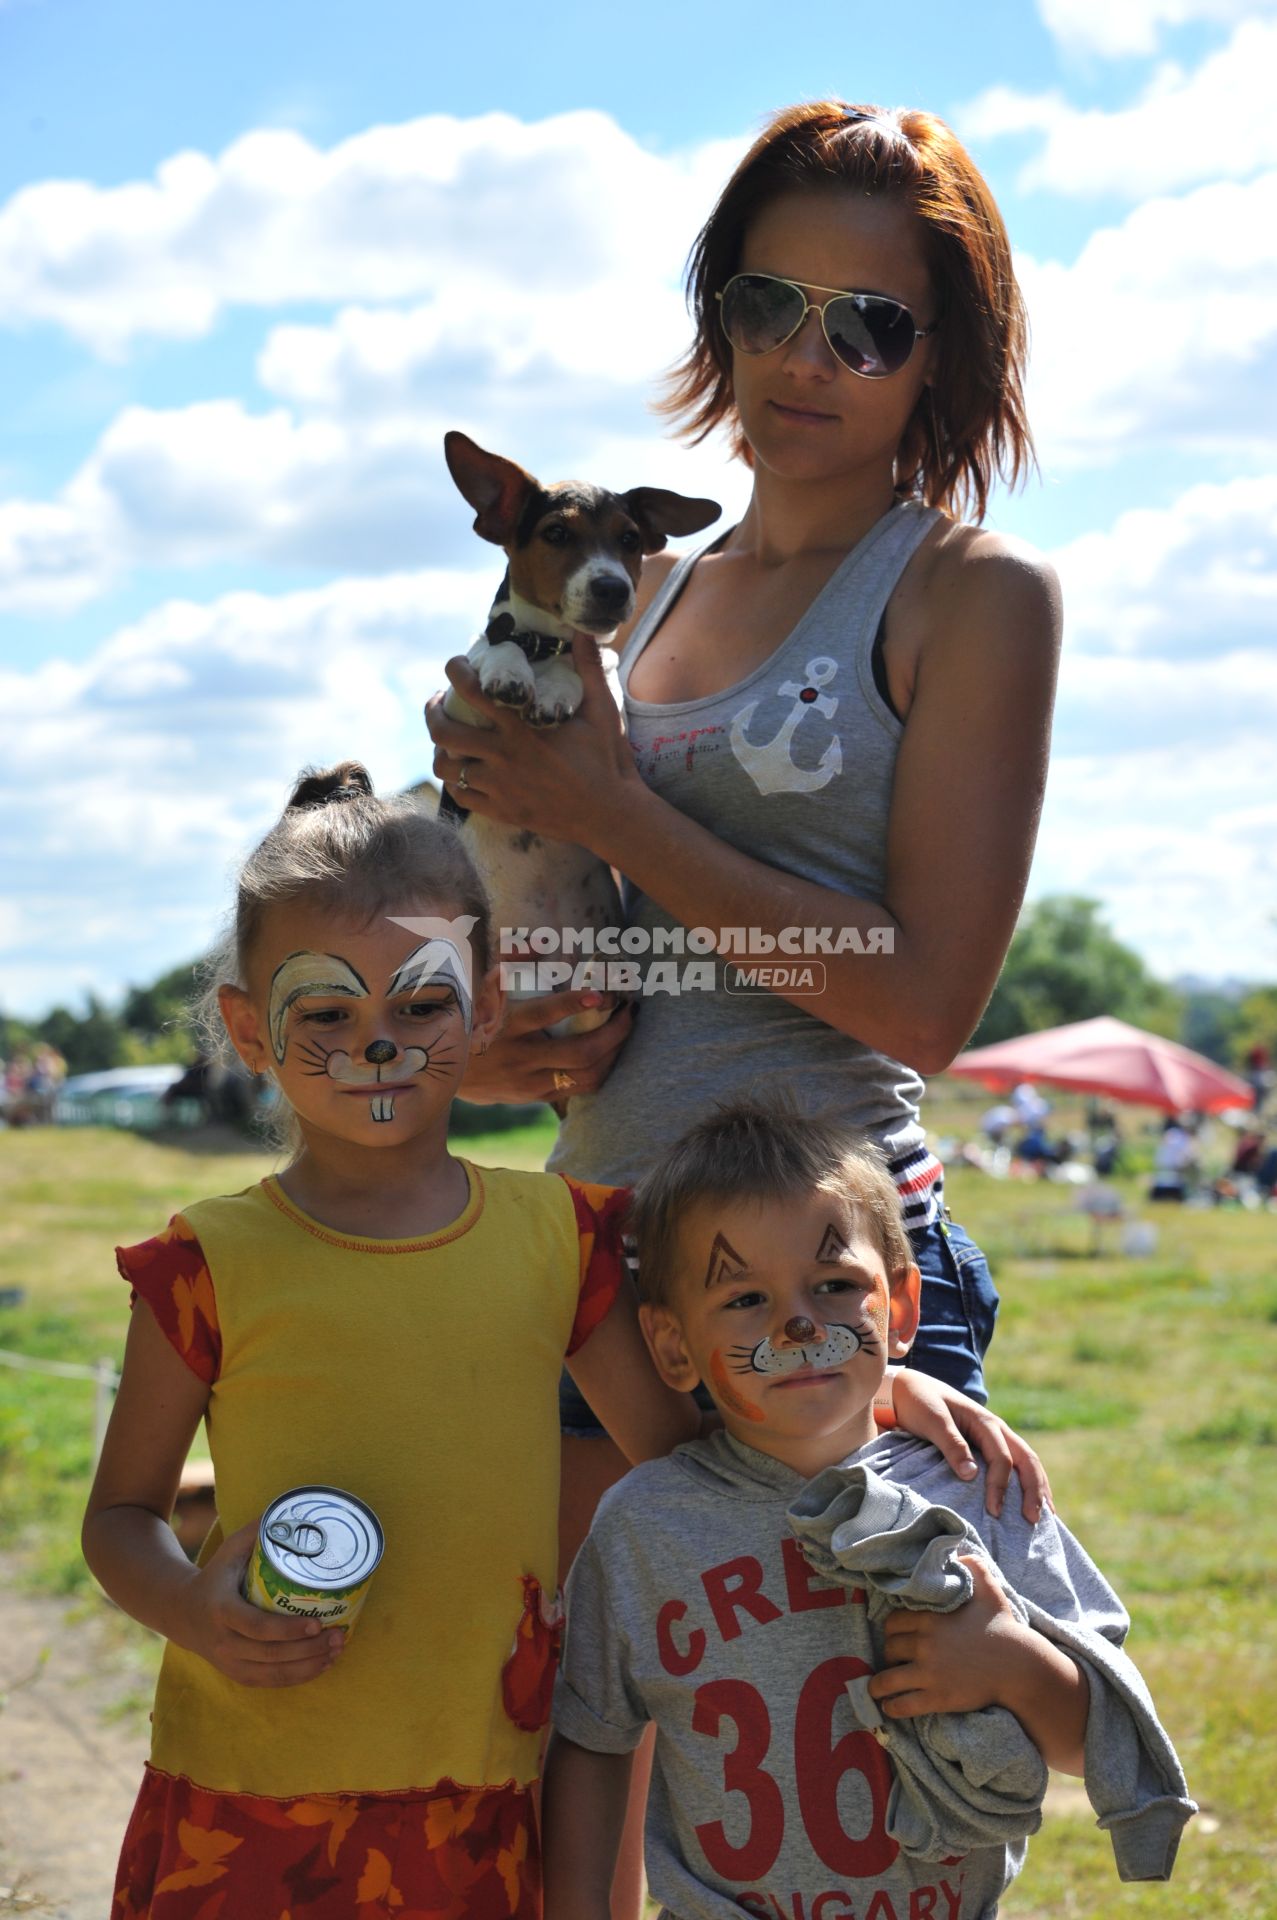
574,555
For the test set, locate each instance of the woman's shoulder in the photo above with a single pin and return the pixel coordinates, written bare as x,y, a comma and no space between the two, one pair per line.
962,566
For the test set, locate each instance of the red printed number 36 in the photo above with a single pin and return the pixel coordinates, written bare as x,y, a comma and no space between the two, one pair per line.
820,1762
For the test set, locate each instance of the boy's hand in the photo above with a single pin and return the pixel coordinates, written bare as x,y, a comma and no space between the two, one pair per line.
255,1648
983,1655
952,1662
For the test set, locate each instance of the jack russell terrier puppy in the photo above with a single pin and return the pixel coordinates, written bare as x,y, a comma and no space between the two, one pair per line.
575,553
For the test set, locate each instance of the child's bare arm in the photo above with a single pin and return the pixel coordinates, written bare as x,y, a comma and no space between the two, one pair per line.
133,1550
615,1373
583,1798
983,1655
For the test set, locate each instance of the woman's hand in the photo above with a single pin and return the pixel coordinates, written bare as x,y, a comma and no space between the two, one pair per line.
255,1648
941,1414
526,1063
559,781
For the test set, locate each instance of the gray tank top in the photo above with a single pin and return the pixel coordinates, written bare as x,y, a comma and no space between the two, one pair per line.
792,765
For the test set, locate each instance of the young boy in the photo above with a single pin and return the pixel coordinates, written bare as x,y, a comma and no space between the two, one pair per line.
857,1676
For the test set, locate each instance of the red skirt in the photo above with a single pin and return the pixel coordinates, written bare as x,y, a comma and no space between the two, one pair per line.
452,1854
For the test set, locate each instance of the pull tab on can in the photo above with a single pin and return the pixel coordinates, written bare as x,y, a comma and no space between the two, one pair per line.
285,1534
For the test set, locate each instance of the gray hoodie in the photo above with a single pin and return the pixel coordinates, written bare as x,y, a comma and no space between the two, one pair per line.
778,1789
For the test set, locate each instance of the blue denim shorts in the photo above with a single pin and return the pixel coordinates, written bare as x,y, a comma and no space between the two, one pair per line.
959,1307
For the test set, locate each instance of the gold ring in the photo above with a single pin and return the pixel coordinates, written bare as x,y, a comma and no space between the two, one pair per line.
563,1082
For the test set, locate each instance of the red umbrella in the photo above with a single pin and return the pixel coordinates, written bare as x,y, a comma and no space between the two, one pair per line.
1107,1056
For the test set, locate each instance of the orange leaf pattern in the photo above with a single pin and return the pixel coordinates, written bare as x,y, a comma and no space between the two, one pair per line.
451,1854
169,1272
527,1678
600,1216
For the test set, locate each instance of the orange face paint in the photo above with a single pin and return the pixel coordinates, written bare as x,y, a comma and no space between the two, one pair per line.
734,1402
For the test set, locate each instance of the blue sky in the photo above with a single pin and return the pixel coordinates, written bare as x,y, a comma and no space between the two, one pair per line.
254,260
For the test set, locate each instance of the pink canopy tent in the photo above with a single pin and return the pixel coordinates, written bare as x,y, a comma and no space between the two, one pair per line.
1106,1056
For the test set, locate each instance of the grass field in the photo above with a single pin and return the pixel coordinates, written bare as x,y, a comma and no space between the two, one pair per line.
1146,1384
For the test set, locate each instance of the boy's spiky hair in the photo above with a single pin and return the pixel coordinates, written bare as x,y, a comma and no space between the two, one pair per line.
744,1150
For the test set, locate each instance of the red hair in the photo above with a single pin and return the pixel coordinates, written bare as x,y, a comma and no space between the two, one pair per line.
970,425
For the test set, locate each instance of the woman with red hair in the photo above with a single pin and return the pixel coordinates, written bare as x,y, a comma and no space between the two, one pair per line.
837,714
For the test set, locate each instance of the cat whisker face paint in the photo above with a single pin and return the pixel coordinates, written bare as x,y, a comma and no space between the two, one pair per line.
840,1342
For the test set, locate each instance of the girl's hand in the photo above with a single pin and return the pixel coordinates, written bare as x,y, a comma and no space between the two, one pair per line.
941,1414
525,1062
559,781
255,1648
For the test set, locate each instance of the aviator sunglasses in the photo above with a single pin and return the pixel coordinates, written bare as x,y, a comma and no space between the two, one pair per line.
870,334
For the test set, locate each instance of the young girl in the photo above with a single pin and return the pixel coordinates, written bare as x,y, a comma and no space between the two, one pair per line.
386,1319
383,1318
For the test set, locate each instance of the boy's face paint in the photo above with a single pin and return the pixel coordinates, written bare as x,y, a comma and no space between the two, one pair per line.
724,1261
788,1327
829,1348
726,1393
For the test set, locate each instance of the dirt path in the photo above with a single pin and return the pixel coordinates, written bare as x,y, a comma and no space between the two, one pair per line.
73,1736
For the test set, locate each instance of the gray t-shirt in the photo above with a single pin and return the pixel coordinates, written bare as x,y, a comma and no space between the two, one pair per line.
793,765
691,1605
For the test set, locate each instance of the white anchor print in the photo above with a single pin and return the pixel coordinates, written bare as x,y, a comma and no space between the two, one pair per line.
769,765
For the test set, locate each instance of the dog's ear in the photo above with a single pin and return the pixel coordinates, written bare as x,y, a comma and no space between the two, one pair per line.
497,489
660,513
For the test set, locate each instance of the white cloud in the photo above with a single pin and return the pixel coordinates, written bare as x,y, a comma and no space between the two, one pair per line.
1160,800
1163,330
1134,26
542,262
1180,843
215,483
507,210
1169,586
1216,122
133,781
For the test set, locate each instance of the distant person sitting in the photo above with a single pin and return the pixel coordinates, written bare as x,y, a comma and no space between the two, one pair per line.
1174,1163
1036,1150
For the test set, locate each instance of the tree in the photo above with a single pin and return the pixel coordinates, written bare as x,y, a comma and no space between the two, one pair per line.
1256,1024
1065,964
88,1042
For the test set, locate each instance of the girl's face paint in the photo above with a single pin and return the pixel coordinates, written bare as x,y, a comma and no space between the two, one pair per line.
373,1023
731,1397
442,960
302,976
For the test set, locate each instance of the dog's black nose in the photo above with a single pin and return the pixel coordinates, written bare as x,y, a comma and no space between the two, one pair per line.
610,594
379,1053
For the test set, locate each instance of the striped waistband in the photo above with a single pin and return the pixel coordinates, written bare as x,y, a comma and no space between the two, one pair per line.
919,1179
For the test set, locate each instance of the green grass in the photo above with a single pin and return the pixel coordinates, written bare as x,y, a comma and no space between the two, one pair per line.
1146,1384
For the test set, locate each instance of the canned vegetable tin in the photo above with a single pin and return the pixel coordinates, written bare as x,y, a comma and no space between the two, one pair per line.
315,1554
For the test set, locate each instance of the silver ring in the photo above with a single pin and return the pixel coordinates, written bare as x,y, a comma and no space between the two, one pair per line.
463,782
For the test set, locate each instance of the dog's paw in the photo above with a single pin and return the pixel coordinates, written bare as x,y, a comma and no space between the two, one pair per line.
508,693
541,715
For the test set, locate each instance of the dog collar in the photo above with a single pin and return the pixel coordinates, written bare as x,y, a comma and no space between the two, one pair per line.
535,647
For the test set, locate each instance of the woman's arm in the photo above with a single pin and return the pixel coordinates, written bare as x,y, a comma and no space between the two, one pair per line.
133,1550
965,805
